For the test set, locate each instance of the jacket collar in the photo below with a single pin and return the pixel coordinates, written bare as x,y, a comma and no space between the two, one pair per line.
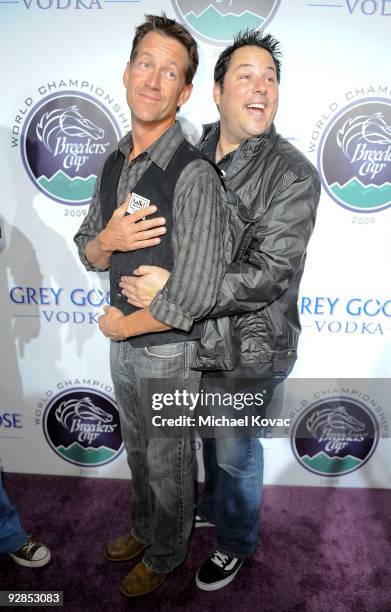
247,147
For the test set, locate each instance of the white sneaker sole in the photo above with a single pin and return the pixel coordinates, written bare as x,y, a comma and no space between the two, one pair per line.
38,563
215,586
198,525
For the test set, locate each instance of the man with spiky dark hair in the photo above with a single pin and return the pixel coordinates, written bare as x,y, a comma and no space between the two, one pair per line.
253,331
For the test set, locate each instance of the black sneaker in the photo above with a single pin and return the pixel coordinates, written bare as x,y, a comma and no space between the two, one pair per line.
32,554
217,571
200,522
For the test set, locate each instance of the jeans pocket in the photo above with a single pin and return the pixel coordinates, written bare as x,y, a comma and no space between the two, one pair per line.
165,351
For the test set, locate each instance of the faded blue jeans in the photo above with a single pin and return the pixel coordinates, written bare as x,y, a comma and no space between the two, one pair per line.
12,536
162,477
231,495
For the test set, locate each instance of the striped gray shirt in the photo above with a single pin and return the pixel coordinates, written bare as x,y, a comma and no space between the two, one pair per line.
197,240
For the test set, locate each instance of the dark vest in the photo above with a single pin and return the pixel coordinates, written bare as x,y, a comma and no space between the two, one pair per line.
158,186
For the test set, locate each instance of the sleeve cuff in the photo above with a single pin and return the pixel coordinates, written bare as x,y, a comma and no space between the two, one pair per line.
87,264
81,243
170,314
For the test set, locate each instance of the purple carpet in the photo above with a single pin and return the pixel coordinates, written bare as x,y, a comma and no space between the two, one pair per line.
321,550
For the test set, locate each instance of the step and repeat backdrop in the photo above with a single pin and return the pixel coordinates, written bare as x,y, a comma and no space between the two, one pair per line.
63,110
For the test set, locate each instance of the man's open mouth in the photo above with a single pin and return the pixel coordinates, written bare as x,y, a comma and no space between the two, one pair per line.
256,108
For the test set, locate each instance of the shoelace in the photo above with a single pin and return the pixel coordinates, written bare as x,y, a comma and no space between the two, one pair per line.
220,559
27,548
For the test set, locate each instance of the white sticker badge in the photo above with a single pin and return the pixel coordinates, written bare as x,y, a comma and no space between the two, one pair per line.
137,202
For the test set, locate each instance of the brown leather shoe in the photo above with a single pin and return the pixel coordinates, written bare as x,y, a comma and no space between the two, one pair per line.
140,581
123,548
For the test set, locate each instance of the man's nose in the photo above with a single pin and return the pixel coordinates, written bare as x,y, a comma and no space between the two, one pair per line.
153,80
259,86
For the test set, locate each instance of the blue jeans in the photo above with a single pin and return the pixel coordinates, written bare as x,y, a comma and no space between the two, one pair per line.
162,476
12,536
232,490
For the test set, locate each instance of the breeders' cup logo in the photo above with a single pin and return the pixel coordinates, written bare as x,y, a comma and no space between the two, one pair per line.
218,21
335,436
82,426
65,139
355,156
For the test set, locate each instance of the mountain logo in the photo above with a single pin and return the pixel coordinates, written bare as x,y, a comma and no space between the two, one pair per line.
217,21
354,156
334,436
64,141
82,426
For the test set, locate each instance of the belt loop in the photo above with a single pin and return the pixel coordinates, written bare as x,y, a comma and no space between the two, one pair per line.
125,349
186,360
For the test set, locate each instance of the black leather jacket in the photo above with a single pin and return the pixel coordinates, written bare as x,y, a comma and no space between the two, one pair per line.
256,319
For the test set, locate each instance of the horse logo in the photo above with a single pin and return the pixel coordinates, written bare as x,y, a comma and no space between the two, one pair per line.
363,128
354,156
82,426
65,138
67,122
83,409
335,421
335,436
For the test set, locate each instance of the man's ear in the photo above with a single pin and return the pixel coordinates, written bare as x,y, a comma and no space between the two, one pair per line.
125,77
185,94
216,93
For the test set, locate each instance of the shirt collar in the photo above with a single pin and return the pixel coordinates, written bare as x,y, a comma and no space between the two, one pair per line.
162,150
